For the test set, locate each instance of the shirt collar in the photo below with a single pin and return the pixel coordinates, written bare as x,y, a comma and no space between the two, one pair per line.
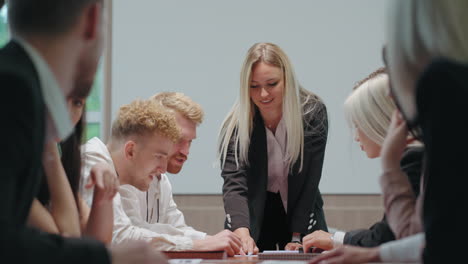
61,126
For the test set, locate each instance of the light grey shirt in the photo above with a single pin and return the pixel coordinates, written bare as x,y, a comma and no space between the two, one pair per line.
408,249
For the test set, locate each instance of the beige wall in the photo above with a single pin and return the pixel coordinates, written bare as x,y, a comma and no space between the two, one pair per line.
345,212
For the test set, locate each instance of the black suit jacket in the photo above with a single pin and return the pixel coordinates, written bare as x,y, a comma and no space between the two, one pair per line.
380,232
22,136
245,187
441,99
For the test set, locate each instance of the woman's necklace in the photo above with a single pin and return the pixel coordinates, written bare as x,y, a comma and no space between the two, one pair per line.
272,125
273,122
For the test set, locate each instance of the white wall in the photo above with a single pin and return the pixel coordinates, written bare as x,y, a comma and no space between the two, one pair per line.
197,47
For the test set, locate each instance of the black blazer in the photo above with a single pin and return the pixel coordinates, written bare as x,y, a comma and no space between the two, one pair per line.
245,188
441,100
380,232
22,136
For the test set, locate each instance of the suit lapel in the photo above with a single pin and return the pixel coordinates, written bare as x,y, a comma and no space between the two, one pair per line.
258,173
296,181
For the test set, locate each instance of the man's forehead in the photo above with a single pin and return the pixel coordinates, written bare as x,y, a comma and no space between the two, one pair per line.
188,127
161,149
184,120
155,140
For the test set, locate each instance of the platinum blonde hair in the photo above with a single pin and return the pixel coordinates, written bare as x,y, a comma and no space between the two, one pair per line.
297,104
370,108
421,30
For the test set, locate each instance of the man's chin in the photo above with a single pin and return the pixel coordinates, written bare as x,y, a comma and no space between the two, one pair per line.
143,188
174,169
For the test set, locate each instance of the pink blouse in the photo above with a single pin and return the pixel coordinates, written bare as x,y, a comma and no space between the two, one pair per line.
403,210
278,166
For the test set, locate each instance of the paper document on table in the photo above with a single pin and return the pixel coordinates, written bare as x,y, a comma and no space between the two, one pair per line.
270,252
185,261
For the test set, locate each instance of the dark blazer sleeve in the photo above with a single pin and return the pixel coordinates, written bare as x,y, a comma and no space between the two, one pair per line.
377,234
19,178
380,232
304,200
442,93
235,191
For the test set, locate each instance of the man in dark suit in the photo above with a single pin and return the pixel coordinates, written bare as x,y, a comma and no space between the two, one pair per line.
55,49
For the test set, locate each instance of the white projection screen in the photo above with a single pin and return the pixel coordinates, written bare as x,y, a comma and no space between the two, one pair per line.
197,47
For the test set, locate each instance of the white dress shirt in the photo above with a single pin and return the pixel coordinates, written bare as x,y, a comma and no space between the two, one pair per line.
58,123
158,210
170,233
338,238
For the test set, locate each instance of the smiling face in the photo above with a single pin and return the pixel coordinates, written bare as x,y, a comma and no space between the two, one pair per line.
148,158
267,87
181,148
371,148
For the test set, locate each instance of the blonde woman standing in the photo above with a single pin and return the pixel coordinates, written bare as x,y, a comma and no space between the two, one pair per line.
271,147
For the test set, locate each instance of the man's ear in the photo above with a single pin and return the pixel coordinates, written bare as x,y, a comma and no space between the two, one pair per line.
129,149
92,16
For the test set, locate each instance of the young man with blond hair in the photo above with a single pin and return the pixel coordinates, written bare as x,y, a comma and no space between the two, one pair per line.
142,138
145,136
154,212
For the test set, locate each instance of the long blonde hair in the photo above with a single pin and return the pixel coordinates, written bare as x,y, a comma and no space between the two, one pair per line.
297,103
